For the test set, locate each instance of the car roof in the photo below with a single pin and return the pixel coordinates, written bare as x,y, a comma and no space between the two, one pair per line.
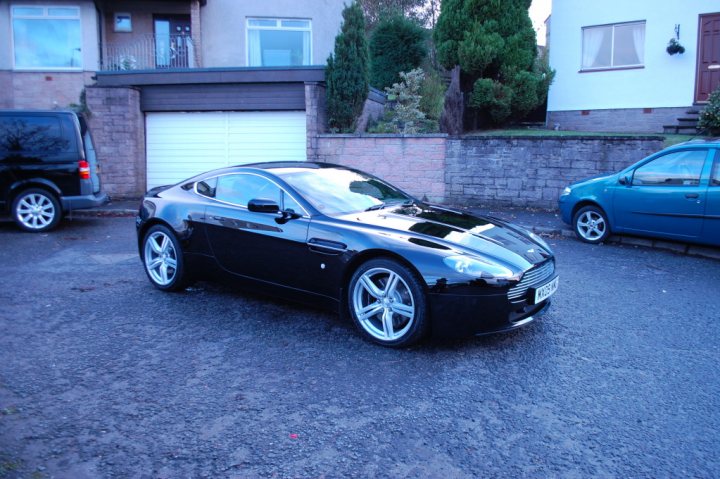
699,142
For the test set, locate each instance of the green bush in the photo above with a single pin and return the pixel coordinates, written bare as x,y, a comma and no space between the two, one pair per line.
346,74
397,44
494,44
432,95
710,116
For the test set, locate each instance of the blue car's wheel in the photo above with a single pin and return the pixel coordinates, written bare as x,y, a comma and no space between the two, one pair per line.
591,224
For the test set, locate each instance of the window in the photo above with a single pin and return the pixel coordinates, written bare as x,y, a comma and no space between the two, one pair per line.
682,168
47,37
32,134
123,22
613,46
240,189
278,42
715,177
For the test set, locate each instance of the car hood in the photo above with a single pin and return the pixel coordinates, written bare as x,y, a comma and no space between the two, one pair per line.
443,228
594,179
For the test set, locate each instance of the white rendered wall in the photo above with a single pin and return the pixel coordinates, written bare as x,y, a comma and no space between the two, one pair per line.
665,81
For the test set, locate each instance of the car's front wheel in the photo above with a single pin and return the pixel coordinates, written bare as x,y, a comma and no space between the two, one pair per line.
591,224
163,259
387,303
36,210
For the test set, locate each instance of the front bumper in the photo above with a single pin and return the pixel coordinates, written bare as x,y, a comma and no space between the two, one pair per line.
462,315
565,204
70,203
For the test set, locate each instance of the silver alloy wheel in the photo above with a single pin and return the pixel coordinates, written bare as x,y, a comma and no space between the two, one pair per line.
591,225
35,211
383,304
160,258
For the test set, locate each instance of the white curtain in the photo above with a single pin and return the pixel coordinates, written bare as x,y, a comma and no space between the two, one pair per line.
307,49
254,48
639,42
592,41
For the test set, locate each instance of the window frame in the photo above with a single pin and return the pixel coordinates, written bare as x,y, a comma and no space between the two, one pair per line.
278,27
305,213
660,185
45,16
584,69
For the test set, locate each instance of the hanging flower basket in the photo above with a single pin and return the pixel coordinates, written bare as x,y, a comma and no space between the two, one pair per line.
674,47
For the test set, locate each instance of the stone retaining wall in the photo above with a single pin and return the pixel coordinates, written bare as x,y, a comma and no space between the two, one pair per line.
532,171
415,164
485,171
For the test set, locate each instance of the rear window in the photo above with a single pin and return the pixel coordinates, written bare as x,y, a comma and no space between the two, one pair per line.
32,134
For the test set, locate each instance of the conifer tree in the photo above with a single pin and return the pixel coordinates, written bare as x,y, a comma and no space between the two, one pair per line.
397,44
346,74
494,44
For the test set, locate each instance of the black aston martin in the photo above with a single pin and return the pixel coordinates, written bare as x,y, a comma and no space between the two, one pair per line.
340,238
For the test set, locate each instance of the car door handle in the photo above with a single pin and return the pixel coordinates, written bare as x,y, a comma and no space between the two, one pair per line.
691,195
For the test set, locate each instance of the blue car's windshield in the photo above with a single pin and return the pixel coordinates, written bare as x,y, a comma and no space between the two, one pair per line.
335,191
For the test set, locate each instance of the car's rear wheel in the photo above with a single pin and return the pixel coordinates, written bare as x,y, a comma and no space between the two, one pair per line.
36,210
591,224
387,303
163,259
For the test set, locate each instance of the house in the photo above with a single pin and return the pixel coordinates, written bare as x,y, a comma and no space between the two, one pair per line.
174,87
613,72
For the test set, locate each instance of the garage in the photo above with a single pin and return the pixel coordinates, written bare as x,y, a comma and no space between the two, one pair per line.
182,144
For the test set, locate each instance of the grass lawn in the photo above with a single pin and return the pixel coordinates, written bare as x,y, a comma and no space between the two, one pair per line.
670,139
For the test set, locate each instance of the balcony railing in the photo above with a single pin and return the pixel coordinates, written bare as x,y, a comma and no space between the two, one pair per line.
150,52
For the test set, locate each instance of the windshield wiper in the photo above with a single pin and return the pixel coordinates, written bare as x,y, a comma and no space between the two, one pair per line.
378,206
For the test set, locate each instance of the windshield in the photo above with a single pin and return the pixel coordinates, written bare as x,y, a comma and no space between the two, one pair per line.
337,191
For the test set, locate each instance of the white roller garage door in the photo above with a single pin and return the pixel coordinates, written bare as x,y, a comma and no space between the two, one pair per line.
180,145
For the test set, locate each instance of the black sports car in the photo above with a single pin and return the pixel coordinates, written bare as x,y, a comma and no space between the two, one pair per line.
340,238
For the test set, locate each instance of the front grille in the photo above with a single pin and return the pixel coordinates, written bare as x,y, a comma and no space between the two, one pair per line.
533,277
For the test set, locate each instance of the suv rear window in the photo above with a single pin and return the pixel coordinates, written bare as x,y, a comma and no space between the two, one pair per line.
32,133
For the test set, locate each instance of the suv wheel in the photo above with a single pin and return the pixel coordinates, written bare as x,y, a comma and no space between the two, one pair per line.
36,210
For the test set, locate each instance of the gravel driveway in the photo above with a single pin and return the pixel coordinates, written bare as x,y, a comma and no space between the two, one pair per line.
101,375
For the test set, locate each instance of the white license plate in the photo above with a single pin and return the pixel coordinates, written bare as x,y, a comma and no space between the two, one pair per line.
546,290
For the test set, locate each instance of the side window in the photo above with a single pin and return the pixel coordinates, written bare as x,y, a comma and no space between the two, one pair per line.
207,187
32,134
715,176
682,168
240,189
290,204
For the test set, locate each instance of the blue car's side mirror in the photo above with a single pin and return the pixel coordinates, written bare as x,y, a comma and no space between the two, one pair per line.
624,180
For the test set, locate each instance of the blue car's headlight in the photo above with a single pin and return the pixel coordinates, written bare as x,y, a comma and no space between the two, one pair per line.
490,272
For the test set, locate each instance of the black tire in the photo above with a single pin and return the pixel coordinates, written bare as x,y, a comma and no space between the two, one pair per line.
36,210
591,224
395,314
163,260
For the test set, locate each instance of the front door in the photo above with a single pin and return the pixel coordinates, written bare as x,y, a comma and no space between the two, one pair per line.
711,229
173,41
708,62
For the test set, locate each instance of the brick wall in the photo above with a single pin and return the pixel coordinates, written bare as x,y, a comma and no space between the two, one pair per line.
42,90
415,164
531,171
484,171
118,129
631,120
315,117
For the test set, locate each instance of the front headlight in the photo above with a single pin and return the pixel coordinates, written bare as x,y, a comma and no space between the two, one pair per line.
566,191
540,241
490,272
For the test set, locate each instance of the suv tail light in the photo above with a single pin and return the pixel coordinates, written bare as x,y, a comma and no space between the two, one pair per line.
84,170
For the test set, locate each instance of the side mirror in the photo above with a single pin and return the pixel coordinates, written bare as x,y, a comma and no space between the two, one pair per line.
624,180
263,206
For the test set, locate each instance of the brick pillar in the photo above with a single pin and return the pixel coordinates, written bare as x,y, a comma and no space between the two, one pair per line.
195,31
118,130
315,117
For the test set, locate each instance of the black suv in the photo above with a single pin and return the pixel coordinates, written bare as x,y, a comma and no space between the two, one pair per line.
48,167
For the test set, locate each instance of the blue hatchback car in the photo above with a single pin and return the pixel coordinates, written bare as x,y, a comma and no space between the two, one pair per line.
672,194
